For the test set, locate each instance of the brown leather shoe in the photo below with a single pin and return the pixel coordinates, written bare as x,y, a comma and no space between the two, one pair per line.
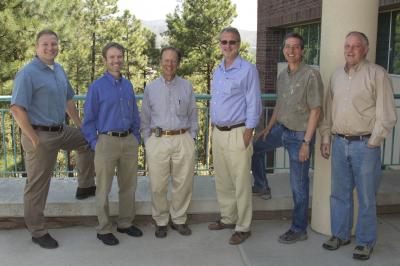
218,225
239,237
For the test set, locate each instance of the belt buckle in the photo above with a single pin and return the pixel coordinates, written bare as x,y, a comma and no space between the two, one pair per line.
158,131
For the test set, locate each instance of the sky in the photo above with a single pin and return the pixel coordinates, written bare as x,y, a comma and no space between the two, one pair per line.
158,9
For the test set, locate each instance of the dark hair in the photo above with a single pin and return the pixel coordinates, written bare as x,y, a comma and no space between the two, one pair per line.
294,35
112,45
361,35
171,48
45,32
231,30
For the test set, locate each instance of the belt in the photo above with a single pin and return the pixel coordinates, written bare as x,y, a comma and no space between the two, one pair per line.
353,138
229,128
58,128
170,132
119,134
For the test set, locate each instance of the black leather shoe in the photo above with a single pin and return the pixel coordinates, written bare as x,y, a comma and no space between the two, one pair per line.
85,192
161,231
45,241
108,239
132,231
182,229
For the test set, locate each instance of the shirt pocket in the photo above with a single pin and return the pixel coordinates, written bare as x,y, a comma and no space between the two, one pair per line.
231,87
182,107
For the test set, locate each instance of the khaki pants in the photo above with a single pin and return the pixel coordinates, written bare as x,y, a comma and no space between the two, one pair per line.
39,165
232,164
116,154
170,156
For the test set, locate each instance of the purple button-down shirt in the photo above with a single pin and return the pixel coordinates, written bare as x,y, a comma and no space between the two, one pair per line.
110,106
235,94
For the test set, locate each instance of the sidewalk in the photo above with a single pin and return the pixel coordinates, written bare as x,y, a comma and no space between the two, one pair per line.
79,246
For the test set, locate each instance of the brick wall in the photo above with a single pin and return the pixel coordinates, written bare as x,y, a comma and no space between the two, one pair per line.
273,16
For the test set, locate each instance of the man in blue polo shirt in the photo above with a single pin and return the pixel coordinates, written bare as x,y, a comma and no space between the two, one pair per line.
41,96
111,126
235,111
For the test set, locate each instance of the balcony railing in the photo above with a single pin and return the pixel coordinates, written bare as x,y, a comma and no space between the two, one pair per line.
12,163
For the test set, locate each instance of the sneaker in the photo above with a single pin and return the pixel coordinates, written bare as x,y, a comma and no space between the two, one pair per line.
182,229
290,237
161,231
108,239
132,231
362,252
264,193
334,243
45,241
85,192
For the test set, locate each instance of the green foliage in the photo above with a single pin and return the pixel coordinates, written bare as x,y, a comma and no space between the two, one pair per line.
194,28
84,27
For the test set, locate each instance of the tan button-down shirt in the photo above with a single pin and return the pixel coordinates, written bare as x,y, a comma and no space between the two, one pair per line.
298,92
359,101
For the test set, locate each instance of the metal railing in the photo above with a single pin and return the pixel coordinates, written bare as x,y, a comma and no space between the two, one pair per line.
12,163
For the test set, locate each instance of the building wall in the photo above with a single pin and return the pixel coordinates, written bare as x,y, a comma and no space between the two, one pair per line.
273,16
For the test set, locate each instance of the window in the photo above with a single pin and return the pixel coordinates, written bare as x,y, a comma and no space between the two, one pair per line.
388,41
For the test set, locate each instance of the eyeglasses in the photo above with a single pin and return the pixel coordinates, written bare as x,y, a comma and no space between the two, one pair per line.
231,42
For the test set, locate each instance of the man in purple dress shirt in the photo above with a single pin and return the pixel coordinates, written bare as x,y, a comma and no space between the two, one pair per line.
235,112
111,126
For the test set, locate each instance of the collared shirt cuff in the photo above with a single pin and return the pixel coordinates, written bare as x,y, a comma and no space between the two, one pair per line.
375,140
326,139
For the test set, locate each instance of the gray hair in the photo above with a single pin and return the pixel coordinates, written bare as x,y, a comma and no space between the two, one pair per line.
361,35
231,30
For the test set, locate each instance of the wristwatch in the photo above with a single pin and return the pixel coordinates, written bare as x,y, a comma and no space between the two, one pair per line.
307,142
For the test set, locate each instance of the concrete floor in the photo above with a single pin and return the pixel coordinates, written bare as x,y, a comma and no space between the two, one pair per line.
79,246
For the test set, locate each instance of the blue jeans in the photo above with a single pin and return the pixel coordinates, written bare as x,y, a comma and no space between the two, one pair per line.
299,179
354,165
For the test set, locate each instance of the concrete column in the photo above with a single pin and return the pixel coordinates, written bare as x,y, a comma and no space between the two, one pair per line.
339,17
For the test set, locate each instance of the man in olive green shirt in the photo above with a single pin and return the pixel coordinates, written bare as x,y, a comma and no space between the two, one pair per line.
359,112
292,125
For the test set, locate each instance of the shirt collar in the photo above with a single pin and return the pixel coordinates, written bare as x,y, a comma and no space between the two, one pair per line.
237,63
42,65
172,82
355,68
290,73
111,77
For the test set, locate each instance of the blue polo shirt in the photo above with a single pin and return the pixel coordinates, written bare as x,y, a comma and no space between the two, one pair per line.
42,92
110,106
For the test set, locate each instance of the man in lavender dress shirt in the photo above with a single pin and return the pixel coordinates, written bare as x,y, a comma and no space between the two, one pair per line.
235,112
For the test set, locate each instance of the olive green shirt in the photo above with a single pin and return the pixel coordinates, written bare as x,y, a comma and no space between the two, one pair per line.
298,92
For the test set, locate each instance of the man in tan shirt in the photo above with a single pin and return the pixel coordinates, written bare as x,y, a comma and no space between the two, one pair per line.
359,113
